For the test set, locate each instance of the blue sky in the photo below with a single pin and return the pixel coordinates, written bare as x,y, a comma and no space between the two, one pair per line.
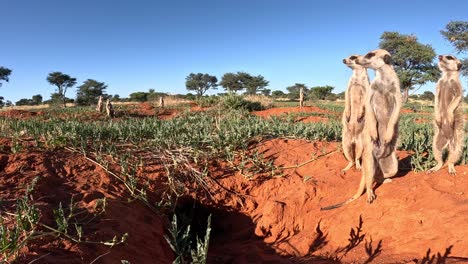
140,45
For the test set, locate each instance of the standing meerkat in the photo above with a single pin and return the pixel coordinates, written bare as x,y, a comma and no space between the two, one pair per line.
448,114
353,114
161,102
383,104
301,97
109,109
99,105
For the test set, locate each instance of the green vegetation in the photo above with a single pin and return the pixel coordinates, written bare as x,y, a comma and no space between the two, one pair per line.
412,60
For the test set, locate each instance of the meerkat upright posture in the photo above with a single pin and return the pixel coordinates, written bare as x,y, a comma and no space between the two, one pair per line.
99,104
301,97
448,110
353,114
161,102
109,108
383,103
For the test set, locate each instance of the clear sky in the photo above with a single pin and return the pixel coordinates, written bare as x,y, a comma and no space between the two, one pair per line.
139,45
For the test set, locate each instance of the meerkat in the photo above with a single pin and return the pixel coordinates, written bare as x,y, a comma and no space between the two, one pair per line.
301,97
161,102
448,114
353,114
383,104
109,109
99,105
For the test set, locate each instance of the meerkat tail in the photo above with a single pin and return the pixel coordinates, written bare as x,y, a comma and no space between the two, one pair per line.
356,196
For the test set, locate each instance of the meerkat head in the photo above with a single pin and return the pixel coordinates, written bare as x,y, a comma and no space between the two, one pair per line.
449,63
375,59
351,62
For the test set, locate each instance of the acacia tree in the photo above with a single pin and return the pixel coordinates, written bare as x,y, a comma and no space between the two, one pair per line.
200,83
294,90
254,84
456,32
4,75
413,61
320,92
63,82
89,92
232,82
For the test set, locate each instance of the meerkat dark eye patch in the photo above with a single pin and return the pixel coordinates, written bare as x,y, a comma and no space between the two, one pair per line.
369,55
459,66
449,58
352,57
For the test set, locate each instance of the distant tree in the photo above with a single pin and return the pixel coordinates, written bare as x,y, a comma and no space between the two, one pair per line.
36,99
340,96
200,83
23,101
115,98
8,103
321,93
4,75
89,92
2,103
277,93
413,61
253,84
427,96
295,89
232,82
266,92
57,99
138,97
63,82
456,32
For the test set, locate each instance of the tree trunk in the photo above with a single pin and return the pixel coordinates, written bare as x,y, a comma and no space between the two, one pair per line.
405,95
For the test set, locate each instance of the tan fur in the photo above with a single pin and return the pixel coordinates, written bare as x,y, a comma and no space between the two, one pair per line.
99,105
109,108
301,97
161,102
448,114
383,103
353,114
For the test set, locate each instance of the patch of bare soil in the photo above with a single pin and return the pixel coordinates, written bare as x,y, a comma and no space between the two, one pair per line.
18,114
413,214
63,175
261,220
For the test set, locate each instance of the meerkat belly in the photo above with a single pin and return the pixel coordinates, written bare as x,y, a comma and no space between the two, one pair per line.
446,96
383,106
357,99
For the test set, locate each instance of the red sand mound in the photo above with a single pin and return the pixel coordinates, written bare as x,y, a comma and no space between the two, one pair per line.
262,220
18,114
63,175
414,213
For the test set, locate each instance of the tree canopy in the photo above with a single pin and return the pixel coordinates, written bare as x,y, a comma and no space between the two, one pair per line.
4,75
456,32
200,83
293,91
254,84
233,82
413,61
321,92
63,82
89,92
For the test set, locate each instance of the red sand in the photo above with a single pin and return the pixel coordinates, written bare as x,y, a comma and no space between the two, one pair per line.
262,220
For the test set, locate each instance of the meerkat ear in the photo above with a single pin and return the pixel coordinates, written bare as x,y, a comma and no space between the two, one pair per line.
387,59
459,66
